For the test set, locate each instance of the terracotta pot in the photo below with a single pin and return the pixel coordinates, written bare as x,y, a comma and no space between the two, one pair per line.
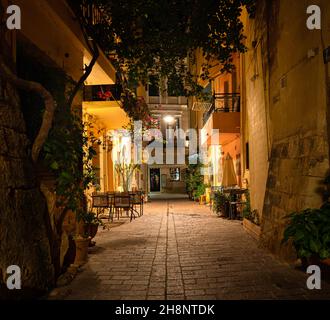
91,229
81,250
326,262
313,260
81,229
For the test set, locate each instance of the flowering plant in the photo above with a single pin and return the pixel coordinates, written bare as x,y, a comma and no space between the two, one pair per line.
135,107
105,95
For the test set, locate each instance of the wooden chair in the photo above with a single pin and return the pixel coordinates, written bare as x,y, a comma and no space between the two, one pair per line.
236,205
123,201
137,198
111,199
100,202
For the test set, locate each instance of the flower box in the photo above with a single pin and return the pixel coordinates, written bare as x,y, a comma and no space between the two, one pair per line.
252,229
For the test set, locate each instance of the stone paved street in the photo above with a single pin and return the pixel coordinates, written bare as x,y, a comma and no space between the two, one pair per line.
180,250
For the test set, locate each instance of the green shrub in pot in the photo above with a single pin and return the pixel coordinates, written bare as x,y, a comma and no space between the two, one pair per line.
309,232
220,203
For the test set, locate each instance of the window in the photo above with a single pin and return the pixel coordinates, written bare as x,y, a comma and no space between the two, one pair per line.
177,123
175,87
153,86
238,164
234,80
175,174
247,156
226,100
208,88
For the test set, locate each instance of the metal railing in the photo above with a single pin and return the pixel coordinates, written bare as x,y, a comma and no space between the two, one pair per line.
223,102
91,13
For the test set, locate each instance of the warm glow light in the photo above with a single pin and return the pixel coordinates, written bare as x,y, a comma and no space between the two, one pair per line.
169,119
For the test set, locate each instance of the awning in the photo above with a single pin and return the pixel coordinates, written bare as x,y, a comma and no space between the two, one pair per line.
201,106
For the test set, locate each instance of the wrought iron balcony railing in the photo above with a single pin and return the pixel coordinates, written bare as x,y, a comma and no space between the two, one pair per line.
224,102
110,92
91,13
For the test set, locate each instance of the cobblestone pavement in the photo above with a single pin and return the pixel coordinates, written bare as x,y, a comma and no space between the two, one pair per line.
180,250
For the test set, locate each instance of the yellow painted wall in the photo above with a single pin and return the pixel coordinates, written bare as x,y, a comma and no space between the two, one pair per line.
54,32
109,113
53,28
254,126
226,122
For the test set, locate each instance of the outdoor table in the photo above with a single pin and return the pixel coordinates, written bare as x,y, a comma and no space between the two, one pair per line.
234,193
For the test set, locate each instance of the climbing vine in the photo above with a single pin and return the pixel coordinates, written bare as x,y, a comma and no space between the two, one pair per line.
160,37
68,152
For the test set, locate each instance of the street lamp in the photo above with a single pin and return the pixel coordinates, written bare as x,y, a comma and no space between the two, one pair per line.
187,142
169,119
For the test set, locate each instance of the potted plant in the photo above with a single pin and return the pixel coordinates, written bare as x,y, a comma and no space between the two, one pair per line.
220,204
251,224
125,172
82,243
199,192
309,231
195,181
86,228
251,219
90,225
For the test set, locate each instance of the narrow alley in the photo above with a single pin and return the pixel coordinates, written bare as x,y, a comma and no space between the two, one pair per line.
181,250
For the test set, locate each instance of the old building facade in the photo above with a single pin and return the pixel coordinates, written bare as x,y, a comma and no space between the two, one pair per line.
284,119
50,49
217,120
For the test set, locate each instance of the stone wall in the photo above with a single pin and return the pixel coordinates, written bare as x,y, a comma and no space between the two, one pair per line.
297,166
286,112
24,225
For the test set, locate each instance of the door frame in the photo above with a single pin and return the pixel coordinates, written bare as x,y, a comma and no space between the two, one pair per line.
160,180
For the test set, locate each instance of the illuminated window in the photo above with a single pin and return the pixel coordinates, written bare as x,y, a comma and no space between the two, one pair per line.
175,174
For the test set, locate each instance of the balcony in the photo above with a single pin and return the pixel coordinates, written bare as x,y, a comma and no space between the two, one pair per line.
223,115
167,100
103,93
90,12
223,103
